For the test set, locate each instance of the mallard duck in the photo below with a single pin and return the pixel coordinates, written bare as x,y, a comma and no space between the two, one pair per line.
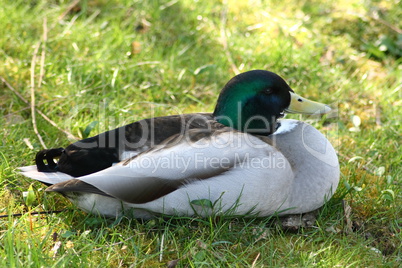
240,160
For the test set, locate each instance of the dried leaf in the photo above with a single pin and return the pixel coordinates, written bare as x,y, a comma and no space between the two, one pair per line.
173,263
332,229
347,211
135,48
202,244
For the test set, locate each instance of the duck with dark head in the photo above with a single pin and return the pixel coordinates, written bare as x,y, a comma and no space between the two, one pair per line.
106,174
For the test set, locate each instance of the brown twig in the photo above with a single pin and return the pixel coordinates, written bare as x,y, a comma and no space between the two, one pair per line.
42,72
13,90
376,17
33,213
33,63
69,135
224,40
70,7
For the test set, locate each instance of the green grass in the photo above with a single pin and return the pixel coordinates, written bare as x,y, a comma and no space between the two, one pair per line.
116,62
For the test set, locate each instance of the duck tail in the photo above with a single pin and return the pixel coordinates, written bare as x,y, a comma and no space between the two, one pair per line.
48,178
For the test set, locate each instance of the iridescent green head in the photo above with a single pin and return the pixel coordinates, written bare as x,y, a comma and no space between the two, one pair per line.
253,101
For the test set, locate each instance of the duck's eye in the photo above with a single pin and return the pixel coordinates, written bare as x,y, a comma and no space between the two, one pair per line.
267,91
299,100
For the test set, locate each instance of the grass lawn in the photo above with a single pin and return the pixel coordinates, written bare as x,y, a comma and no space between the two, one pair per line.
94,65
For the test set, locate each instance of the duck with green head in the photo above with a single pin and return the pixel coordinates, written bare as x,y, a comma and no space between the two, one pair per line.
253,101
239,160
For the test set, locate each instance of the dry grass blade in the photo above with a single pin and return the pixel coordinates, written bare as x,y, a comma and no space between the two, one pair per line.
33,116
70,7
43,54
69,135
365,167
224,40
41,75
161,247
256,259
114,244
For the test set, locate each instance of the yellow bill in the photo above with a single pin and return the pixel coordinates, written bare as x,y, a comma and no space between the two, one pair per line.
300,105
